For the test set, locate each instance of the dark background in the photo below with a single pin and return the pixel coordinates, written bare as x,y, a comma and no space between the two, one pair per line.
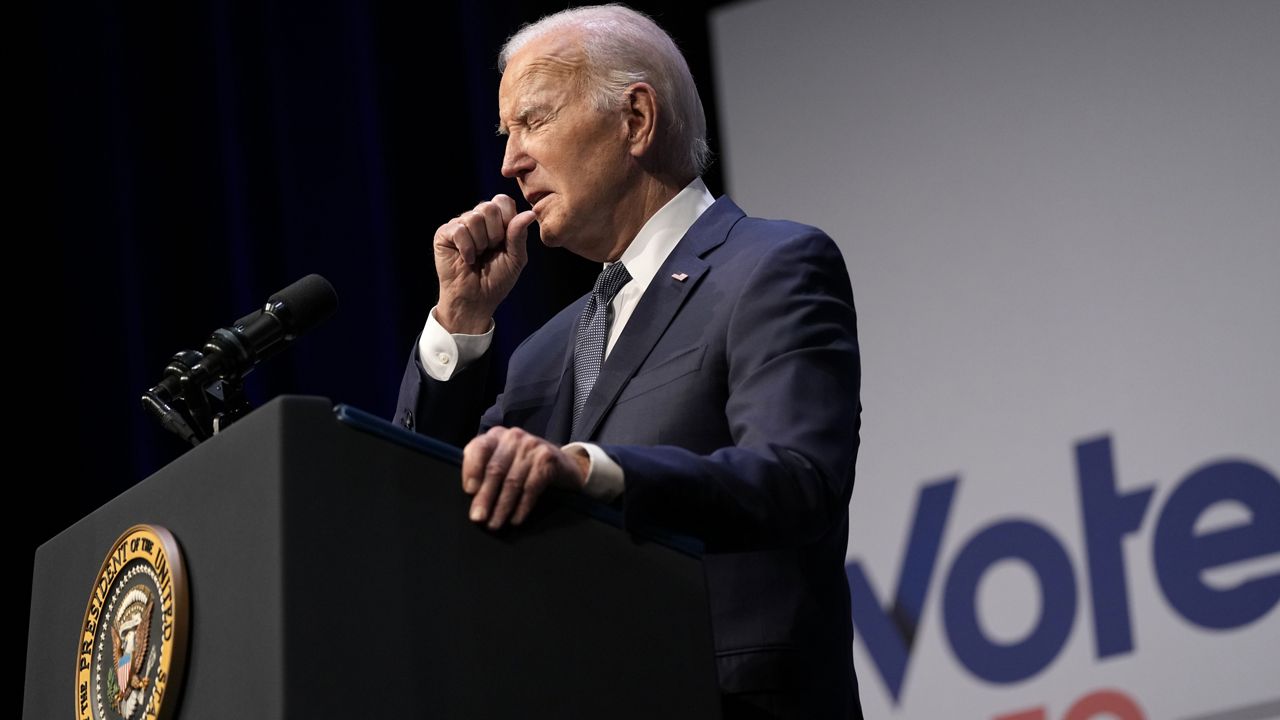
192,158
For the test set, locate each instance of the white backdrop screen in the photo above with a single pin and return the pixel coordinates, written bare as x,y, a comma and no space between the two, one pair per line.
1062,222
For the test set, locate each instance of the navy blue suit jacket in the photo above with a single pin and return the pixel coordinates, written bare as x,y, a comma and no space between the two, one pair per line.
730,400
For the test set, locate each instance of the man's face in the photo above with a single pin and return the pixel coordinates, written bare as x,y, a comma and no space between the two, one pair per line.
572,161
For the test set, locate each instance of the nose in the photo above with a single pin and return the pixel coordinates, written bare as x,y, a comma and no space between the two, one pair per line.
515,161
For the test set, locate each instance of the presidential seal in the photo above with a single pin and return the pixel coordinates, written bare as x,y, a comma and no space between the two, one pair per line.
133,640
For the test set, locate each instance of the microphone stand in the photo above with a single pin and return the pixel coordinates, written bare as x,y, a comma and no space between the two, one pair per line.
190,404
202,391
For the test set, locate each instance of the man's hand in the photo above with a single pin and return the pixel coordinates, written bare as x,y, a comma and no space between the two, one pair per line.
507,469
479,255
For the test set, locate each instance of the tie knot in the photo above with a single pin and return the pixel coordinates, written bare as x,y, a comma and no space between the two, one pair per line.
610,281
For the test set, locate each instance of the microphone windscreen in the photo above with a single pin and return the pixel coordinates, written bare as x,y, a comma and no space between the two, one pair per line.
307,302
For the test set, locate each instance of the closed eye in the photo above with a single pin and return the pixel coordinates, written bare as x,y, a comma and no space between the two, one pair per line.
530,117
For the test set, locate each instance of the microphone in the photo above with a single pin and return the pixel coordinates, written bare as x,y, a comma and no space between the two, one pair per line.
289,313
181,400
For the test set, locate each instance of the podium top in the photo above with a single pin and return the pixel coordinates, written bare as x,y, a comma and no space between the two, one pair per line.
444,452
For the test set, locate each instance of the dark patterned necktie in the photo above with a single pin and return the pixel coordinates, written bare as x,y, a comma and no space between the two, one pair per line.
593,335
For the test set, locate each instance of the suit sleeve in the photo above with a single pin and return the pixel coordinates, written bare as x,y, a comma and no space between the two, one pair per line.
449,411
793,412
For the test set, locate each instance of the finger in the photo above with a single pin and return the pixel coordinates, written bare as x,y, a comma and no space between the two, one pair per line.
444,235
475,456
513,486
495,471
454,234
494,226
506,206
541,468
475,223
518,234
444,231
518,228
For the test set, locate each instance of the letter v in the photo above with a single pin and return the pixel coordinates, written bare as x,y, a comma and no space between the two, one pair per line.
890,632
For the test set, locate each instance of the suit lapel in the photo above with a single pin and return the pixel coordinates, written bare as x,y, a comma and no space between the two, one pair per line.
560,424
561,421
665,296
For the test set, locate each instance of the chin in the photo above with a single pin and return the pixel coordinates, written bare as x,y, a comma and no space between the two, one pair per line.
548,232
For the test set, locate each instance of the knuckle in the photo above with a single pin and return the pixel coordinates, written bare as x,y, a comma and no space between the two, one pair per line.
456,234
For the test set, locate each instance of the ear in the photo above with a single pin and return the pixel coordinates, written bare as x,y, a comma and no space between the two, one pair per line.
642,119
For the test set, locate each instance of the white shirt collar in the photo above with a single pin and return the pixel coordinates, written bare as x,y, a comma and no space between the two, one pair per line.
662,232
650,249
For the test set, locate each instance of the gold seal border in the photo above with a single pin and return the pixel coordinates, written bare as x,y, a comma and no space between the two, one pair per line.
158,547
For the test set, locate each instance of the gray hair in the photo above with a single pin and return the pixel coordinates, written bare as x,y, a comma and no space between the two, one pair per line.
623,46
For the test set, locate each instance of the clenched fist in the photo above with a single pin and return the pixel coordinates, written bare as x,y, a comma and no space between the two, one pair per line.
479,256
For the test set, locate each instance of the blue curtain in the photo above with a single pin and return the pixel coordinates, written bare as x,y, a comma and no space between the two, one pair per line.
197,156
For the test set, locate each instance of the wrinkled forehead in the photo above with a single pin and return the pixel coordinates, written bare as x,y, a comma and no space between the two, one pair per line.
554,62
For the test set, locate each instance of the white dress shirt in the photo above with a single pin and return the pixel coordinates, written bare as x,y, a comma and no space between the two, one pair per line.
443,353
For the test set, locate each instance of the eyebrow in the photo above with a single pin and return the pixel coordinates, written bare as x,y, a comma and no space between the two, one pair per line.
520,117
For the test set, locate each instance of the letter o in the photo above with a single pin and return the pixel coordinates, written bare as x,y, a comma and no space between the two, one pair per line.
1032,544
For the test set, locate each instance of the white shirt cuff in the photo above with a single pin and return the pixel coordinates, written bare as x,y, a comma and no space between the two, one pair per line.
443,353
604,476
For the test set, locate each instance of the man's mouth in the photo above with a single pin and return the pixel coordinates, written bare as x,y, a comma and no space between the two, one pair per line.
536,197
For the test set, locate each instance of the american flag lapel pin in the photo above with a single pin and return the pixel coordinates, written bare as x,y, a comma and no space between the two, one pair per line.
680,276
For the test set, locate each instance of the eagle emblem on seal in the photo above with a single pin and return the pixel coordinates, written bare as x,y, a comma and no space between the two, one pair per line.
130,638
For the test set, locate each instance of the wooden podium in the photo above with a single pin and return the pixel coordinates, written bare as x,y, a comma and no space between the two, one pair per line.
333,574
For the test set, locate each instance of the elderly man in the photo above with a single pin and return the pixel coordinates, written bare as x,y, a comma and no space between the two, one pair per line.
708,383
